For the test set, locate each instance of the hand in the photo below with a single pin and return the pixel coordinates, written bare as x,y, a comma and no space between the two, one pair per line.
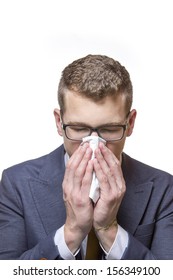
76,187
112,189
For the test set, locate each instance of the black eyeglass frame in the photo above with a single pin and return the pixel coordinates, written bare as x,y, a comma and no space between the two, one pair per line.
95,129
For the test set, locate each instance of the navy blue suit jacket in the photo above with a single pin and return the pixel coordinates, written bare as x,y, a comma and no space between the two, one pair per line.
32,209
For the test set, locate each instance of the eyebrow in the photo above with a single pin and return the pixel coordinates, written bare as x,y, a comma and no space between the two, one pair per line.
84,124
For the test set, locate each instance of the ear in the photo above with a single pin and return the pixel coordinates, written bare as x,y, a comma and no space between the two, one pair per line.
132,118
57,116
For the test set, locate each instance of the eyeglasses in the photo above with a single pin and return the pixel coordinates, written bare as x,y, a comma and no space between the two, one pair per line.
109,133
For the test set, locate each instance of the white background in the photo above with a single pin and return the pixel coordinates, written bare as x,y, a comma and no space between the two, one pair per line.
39,38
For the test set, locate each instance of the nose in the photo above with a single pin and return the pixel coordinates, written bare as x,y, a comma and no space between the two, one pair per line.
94,133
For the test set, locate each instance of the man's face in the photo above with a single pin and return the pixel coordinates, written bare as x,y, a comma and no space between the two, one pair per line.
79,109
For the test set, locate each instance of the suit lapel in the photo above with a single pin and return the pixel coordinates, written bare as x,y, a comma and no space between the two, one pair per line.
47,191
137,195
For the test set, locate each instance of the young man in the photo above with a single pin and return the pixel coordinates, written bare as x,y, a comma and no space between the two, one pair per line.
45,208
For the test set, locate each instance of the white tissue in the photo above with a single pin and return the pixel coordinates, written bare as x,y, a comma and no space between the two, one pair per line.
94,190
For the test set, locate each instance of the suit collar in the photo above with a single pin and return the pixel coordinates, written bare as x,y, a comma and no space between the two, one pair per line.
53,165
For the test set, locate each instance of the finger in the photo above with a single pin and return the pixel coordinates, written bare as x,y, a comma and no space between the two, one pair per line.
71,166
77,156
103,164
101,176
107,154
87,179
75,160
110,166
81,169
111,191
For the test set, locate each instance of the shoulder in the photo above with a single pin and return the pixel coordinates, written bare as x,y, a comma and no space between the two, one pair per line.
37,168
140,172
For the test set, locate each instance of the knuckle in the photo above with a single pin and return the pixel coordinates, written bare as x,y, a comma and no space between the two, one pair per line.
79,203
104,178
86,181
118,163
65,193
70,165
64,196
121,192
78,173
111,173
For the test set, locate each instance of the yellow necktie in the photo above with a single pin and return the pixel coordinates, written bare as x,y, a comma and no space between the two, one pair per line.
93,251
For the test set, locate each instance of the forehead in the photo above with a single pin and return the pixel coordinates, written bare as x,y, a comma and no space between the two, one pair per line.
82,109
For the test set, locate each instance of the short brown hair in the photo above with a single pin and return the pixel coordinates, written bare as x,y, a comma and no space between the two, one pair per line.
95,77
